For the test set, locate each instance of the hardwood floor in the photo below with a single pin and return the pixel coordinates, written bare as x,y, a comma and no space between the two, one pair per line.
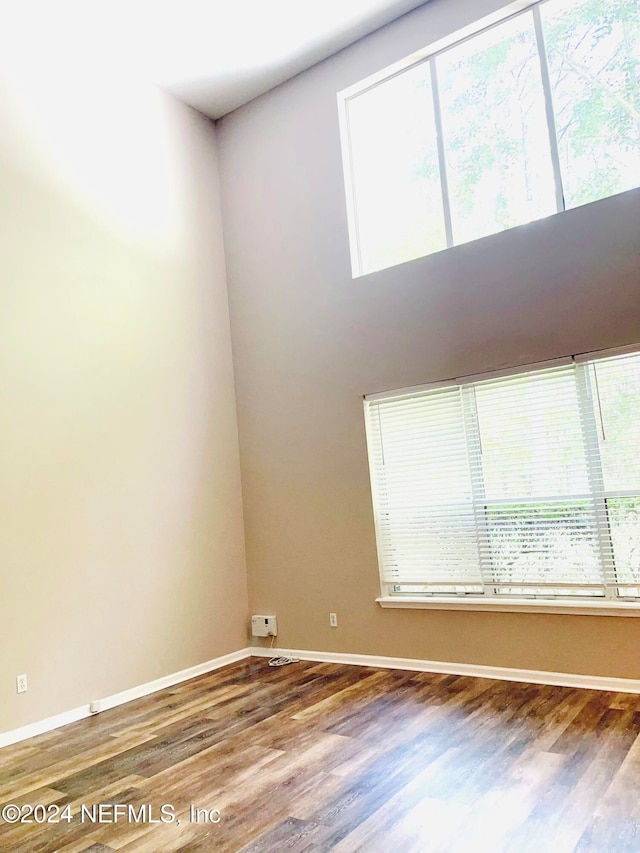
318,757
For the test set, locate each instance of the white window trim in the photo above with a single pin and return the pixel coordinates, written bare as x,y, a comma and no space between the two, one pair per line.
425,54
428,55
495,604
512,605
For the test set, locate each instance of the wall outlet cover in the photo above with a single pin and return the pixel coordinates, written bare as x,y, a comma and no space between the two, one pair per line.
264,626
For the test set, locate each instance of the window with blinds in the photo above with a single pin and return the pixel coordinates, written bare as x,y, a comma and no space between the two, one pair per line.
518,485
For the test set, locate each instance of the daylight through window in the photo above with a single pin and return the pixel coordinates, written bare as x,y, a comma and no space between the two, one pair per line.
519,485
532,116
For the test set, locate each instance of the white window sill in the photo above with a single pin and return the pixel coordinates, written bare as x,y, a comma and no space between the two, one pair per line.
513,605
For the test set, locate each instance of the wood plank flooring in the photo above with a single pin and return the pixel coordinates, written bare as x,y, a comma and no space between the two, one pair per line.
318,757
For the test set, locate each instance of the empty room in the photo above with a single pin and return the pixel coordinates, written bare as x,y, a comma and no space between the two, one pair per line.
320,433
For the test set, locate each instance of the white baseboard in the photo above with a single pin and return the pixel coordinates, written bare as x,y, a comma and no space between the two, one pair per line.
75,714
532,676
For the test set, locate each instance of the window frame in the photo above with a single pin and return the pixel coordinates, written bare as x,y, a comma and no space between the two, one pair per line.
611,604
428,55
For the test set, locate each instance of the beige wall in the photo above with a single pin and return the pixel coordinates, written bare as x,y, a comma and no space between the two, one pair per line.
309,342
121,553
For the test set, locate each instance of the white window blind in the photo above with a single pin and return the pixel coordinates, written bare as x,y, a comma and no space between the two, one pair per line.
520,485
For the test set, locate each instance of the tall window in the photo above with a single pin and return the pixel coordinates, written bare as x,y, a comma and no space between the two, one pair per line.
532,116
517,485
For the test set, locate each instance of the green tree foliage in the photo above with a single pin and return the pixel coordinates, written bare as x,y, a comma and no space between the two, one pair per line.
593,52
499,163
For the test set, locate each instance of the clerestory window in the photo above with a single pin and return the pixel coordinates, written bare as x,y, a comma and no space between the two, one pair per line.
529,117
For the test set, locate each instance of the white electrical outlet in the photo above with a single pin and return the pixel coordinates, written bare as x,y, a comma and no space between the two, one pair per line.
21,683
333,620
264,626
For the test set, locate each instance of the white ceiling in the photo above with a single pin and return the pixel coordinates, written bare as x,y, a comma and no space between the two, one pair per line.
212,54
